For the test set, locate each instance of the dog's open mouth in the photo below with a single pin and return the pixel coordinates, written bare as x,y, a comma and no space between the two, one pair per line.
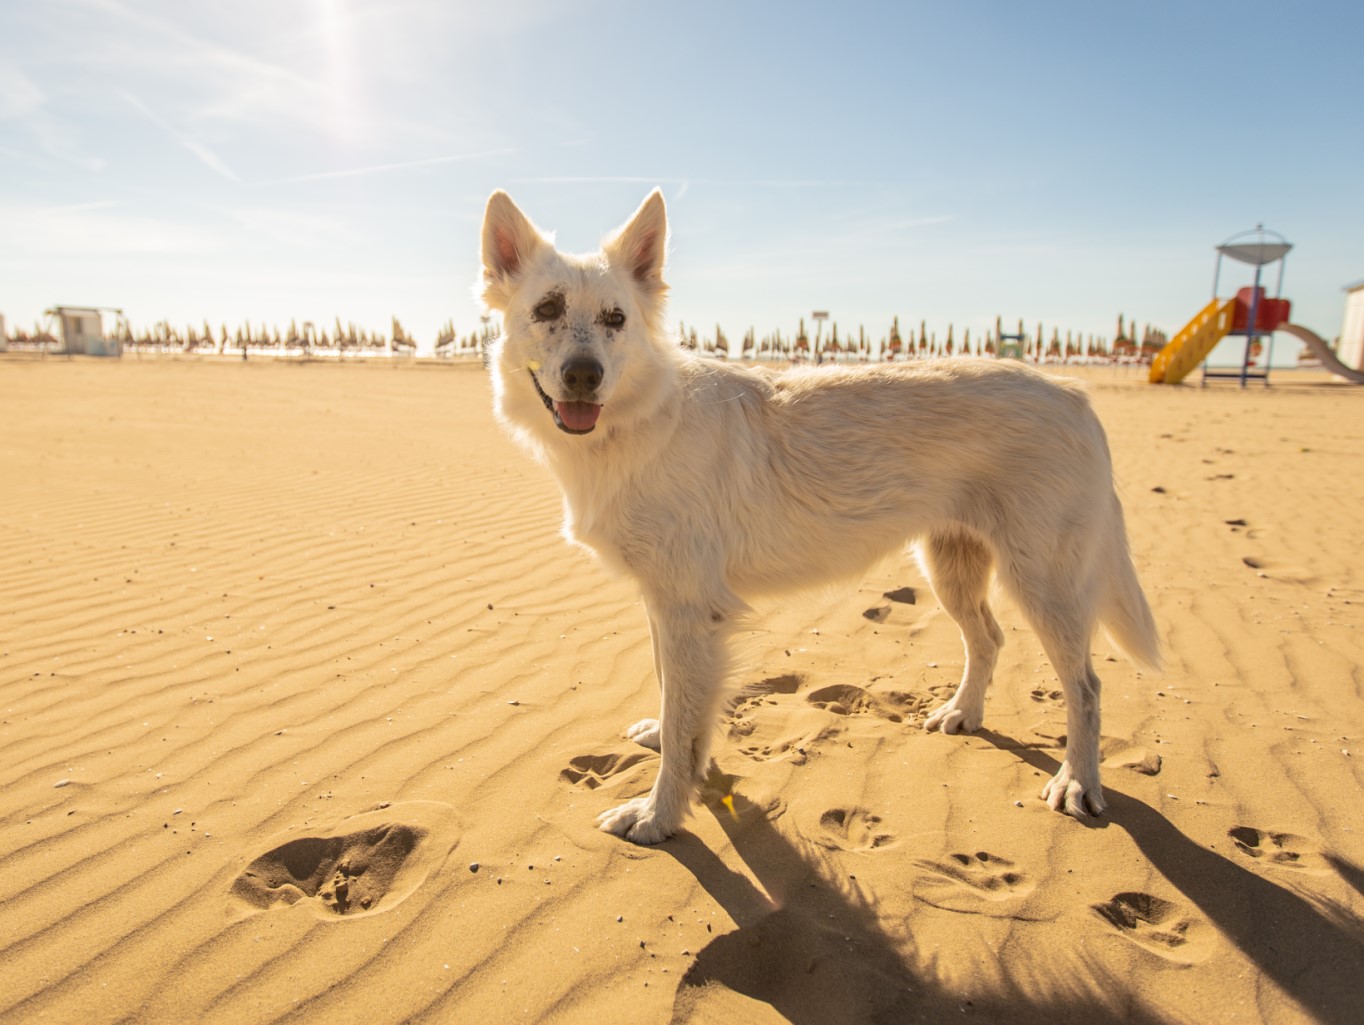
569,417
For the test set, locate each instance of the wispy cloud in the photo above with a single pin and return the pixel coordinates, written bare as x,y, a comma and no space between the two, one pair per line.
596,179
290,228
406,165
766,183
294,71
879,227
209,159
24,104
76,208
96,230
229,82
201,152
19,94
681,186
807,252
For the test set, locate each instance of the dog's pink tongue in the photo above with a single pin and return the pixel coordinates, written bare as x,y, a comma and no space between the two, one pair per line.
578,416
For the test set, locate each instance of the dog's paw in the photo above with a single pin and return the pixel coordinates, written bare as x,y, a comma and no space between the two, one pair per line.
951,718
645,733
636,821
1065,792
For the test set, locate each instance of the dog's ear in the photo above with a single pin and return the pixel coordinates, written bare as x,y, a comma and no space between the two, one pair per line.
510,241
641,245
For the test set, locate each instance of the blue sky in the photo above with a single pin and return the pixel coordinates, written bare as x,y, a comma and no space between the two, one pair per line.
1059,162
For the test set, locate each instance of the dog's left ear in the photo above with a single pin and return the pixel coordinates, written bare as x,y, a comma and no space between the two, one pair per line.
641,246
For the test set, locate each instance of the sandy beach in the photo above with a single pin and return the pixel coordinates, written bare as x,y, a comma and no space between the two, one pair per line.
306,712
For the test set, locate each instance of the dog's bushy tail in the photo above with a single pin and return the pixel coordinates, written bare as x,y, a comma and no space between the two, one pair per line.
1123,608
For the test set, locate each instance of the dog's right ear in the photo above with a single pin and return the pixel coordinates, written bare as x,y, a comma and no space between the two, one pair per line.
510,241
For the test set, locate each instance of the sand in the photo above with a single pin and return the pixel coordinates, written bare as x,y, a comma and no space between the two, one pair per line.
306,712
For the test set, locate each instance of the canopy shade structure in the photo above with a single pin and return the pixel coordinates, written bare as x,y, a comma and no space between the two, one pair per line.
1257,254
1265,247
1257,247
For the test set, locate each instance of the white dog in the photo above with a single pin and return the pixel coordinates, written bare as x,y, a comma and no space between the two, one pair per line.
712,485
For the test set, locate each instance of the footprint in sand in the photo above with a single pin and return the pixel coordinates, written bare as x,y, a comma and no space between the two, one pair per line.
846,699
1047,696
1157,925
1123,754
852,829
591,771
1116,753
1283,850
751,694
746,721
975,884
796,750
367,870
940,693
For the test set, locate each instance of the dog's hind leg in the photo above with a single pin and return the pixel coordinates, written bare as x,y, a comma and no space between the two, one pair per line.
691,641
958,565
646,732
1059,605
1076,788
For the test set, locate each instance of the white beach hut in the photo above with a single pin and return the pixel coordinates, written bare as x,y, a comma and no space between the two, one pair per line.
82,330
1350,351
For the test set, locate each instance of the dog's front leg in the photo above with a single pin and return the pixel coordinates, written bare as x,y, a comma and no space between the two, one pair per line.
646,732
690,642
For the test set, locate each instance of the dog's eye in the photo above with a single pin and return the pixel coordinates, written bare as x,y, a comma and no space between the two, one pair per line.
551,308
613,318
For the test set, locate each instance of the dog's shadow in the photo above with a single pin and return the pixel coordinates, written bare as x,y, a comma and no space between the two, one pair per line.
810,943
1315,954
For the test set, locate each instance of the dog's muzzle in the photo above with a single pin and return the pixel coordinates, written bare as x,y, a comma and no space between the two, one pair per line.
574,416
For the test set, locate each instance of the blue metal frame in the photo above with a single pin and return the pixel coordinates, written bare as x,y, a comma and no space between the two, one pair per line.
1251,332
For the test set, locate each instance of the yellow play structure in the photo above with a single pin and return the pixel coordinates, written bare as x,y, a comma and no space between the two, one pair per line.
1249,314
1194,343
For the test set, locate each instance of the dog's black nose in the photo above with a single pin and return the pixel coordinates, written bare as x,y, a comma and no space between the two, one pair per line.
582,376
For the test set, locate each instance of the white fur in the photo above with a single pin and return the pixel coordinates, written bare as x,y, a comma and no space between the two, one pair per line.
713,484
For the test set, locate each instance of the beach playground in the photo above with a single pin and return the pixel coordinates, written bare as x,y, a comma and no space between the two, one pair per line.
306,711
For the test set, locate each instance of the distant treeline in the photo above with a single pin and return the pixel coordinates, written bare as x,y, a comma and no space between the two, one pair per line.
831,346
162,336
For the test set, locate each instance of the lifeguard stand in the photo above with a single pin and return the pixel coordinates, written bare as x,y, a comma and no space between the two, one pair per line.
1252,316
